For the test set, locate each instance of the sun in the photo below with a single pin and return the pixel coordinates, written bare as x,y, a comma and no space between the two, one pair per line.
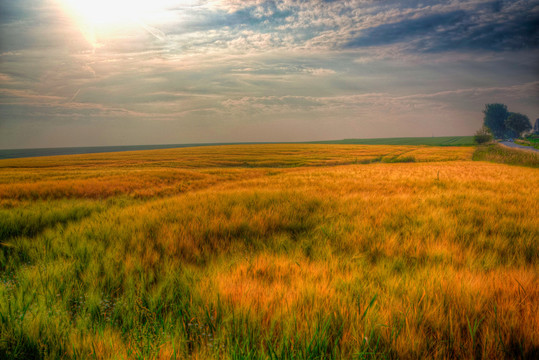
103,16
115,12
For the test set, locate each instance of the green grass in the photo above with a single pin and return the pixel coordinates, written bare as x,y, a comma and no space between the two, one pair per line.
530,140
433,141
534,140
504,155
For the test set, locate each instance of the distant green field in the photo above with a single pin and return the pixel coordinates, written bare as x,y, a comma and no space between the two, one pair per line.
434,141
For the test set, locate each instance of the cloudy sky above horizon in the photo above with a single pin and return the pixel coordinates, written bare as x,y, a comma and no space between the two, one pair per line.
121,72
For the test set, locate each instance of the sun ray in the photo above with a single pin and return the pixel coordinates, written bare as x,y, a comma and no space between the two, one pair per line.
105,16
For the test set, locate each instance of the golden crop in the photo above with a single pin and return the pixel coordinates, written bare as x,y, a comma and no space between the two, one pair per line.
269,251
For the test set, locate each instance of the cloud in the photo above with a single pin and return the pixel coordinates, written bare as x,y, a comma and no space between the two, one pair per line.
372,105
406,29
211,68
492,26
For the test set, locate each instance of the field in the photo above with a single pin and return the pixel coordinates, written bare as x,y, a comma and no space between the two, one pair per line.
269,251
433,141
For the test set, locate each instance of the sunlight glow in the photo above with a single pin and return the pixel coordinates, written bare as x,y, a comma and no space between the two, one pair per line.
116,12
100,16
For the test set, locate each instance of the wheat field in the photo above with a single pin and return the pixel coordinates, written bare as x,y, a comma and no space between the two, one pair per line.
269,252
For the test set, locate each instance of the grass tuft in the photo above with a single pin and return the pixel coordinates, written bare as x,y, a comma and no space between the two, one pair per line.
504,155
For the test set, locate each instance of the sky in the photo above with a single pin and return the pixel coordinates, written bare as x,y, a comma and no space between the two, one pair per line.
128,72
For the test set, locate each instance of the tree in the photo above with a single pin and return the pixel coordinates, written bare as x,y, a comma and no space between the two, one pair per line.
536,127
483,135
519,123
494,119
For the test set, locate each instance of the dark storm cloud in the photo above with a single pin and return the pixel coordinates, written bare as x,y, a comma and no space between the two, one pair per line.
493,26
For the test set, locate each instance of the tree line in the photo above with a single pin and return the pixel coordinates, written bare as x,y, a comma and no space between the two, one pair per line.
500,123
